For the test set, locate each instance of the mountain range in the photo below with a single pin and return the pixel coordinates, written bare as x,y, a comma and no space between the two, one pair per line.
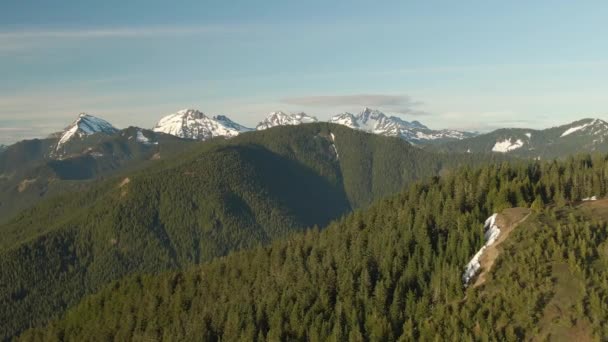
91,147
193,124
322,230
583,135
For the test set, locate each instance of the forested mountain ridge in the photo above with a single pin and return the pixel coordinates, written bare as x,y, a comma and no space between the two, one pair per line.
586,135
32,170
222,195
389,272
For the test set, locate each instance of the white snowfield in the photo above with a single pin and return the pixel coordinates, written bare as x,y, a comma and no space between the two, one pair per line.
507,145
491,234
578,128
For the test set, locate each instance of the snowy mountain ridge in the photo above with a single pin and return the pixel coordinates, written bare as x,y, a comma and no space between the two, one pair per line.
285,119
374,121
194,124
587,134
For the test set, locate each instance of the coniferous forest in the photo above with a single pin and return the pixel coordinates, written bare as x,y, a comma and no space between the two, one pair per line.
389,272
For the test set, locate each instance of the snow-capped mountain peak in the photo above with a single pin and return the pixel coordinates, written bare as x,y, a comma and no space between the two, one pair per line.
194,124
281,118
346,119
370,114
375,121
224,120
86,124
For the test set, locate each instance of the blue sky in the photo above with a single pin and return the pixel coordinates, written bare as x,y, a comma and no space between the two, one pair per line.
474,65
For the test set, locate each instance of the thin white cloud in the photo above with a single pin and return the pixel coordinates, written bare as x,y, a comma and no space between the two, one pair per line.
120,32
17,41
504,67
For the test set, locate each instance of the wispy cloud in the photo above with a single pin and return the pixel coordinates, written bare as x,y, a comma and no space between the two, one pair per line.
16,41
401,104
120,32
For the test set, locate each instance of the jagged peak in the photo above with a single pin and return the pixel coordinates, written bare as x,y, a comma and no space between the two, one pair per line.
190,112
368,113
222,117
278,112
194,124
85,124
281,118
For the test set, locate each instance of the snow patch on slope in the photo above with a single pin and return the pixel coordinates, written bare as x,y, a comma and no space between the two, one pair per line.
491,234
140,137
333,144
506,145
578,128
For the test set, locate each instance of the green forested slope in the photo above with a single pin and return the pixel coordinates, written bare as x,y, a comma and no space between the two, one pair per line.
29,172
549,283
392,271
223,195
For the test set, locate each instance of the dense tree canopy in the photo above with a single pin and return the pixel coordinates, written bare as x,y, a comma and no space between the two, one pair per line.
389,272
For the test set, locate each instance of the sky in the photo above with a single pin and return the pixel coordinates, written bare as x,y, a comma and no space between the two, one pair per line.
470,65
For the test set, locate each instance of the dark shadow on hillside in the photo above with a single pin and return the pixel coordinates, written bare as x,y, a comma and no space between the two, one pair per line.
310,197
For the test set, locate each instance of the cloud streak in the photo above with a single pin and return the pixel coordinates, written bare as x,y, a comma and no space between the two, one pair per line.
120,32
401,104
12,42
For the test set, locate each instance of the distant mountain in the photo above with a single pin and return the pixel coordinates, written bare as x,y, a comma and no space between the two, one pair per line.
83,126
32,170
284,119
586,135
2,148
374,121
193,124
